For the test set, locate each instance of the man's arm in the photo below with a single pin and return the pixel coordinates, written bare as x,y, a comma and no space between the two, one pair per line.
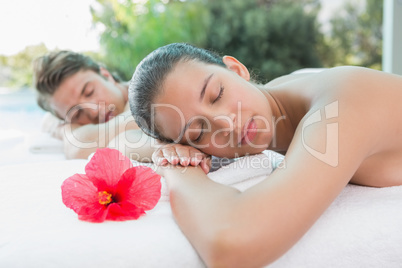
82,140
135,144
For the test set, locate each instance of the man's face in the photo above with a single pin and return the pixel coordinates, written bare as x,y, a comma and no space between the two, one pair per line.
87,97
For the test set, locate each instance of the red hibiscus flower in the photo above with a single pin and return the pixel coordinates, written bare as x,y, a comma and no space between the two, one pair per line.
111,189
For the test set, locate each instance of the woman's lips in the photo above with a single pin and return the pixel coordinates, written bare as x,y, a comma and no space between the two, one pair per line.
108,116
249,132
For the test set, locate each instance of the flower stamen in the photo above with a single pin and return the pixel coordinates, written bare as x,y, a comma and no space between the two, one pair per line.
104,198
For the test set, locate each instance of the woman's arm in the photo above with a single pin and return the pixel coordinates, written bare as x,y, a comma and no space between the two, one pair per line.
257,226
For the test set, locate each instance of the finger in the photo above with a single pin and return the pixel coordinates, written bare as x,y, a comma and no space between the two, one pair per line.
156,155
170,154
184,161
197,157
158,158
183,153
59,132
206,165
163,161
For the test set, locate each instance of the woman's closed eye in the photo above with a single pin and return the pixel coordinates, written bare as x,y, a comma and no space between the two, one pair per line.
219,95
198,139
90,93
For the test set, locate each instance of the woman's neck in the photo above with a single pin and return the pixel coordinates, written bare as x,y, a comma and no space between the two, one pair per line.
283,125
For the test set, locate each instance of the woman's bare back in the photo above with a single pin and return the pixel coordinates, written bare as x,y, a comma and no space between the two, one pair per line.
376,97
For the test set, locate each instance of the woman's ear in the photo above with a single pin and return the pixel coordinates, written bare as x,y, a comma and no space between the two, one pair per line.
236,66
107,75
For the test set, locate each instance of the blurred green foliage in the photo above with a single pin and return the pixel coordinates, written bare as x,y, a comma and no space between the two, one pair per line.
356,36
16,70
135,28
271,37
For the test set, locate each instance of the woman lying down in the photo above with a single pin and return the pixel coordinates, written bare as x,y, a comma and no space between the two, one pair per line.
339,126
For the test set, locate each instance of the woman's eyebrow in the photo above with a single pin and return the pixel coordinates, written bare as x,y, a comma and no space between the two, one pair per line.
205,86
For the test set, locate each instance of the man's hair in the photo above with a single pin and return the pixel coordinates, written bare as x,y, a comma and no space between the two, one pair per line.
52,69
150,74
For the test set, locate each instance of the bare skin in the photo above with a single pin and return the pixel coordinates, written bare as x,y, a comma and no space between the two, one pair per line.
96,114
357,140
95,110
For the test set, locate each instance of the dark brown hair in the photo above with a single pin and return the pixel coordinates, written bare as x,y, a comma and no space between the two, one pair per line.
150,74
52,69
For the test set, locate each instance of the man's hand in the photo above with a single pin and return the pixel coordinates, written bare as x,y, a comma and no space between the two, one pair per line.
177,154
53,125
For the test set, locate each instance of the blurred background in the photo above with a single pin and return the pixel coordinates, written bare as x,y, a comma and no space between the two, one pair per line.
271,37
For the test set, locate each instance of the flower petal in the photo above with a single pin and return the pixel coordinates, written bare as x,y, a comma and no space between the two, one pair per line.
100,216
80,194
122,190
124,211
145,190
106,167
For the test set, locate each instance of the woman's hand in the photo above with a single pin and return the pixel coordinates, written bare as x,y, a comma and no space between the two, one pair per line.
177,154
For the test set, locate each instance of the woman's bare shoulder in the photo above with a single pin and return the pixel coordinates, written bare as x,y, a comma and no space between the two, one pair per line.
353,85
357,106
356,74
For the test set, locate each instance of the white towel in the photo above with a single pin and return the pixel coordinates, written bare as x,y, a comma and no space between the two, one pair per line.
362,228
240,173
247,171
44,143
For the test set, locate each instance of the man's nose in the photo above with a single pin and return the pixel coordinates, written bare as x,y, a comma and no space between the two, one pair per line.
226,123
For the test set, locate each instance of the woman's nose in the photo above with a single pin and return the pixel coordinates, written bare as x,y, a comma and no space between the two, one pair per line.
92,112
226,123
